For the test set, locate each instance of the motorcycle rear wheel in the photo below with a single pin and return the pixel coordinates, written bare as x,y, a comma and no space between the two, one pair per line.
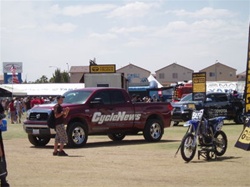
188,148
220,143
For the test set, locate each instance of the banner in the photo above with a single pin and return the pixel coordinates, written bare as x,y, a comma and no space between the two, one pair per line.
244,139
9,67
247,85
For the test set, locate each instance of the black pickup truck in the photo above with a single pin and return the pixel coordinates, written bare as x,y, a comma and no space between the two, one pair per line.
215,104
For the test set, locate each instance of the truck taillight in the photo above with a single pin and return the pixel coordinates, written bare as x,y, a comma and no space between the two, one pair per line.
169,107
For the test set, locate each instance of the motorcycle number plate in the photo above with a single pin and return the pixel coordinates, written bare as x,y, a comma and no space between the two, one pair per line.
35,131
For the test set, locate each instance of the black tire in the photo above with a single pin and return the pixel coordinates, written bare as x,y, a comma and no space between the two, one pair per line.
38,141
220,143
239,118
153,130
188,147
176,123
116,136
77,134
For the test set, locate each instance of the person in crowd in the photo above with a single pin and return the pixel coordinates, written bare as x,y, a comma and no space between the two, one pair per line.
146,99
41,100
12,112
27,104
61,135
35,101
6,106
19,109
235,94
3,176
133,99
154,99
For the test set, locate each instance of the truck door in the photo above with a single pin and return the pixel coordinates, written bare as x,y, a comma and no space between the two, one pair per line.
217,104
112,112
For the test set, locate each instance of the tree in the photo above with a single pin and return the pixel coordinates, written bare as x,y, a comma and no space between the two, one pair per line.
43,79
60,77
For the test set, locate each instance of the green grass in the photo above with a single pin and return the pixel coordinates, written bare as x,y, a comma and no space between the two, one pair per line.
14,131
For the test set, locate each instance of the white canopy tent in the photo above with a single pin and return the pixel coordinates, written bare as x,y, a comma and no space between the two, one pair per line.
41,89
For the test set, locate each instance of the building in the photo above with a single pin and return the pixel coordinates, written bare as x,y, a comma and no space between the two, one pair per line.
220,72
241,76
1,79
77,72
136,76
173,73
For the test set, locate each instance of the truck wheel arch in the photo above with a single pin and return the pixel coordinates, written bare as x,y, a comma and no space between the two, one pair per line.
77,132
153,129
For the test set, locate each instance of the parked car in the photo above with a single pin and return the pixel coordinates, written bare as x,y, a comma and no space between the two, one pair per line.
215,104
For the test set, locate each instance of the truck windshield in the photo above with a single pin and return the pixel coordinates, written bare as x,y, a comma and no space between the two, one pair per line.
76,96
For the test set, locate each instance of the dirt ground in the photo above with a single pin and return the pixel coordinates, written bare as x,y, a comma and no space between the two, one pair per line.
132,162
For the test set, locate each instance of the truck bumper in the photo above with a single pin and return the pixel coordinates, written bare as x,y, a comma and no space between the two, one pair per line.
38,130
182,116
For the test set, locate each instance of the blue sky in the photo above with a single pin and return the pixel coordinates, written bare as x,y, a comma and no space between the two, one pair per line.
150,34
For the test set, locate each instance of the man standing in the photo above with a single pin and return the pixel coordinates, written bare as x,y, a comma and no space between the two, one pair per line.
61,135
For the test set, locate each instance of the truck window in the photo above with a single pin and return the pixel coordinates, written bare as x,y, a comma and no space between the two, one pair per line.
217,97
104,95
220,98
117,97
76,97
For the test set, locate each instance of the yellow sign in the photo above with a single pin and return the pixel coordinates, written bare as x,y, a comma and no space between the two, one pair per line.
245,136
199,82
108,68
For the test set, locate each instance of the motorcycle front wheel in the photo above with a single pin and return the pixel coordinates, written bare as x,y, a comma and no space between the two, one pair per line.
188,147
220,142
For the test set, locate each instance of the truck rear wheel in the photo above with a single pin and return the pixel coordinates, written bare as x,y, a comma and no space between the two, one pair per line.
239,118
38,140
116,136
153,130
77,134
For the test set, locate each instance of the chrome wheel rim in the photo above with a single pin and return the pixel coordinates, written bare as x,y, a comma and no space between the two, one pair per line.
78,135
155,130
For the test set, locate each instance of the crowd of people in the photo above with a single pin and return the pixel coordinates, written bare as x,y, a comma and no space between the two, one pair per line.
15,107
146,99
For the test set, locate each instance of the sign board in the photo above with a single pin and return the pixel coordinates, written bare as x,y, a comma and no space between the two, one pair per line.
247,85
199,86
12,79
244,139
10,67
107,68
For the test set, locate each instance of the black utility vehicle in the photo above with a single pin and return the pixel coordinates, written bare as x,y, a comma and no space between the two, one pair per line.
216,104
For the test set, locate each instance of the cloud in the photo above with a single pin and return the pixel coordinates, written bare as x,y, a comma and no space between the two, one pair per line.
135,9
206,12
64,27
102,37
125,30
79,10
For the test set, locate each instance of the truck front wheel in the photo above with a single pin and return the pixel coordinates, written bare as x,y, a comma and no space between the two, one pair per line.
38,140
116,136
77,134
153,130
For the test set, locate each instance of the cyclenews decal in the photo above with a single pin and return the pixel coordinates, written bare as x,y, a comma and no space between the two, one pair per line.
100,118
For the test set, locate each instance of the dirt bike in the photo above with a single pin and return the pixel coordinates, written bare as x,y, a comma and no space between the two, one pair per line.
205,133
